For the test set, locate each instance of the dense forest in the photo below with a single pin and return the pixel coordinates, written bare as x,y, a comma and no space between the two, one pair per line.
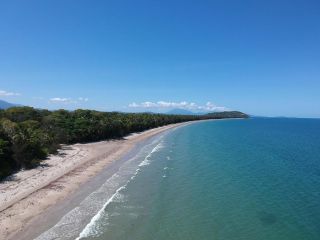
229,114
28,135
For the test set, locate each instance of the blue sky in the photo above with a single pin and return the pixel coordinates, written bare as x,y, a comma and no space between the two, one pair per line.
260,57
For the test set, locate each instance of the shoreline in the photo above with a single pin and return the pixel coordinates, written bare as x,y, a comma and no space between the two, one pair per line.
34,195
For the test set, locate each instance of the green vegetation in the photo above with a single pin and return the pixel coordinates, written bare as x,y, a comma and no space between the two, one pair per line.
229,114
28,135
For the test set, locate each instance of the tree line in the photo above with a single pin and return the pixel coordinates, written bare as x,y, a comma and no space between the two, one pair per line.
29,135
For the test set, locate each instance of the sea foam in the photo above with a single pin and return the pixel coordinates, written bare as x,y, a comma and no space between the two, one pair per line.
90,229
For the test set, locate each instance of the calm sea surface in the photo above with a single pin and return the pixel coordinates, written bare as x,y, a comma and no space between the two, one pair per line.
256,179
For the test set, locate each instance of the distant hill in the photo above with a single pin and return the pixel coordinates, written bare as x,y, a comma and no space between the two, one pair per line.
215,115
179,111
226,114
5,105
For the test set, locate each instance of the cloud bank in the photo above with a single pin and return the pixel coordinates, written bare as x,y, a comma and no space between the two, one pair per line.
68,100
6,94
209,106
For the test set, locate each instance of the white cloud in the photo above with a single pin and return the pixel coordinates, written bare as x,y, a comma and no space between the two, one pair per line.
209,106
61,100
6,94
68,100
82,99
133,105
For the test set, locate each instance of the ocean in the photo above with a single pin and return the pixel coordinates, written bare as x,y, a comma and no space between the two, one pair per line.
253,179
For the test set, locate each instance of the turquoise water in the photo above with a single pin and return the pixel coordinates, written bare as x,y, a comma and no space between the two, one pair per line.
256,179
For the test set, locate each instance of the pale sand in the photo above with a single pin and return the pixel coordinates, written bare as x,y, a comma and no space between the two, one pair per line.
32,192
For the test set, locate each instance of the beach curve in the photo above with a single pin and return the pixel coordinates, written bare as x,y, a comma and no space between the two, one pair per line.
33,192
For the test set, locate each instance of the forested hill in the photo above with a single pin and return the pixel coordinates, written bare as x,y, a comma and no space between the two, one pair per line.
229,114
28,135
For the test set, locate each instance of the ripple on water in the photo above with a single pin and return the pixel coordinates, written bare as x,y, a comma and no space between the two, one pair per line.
267,218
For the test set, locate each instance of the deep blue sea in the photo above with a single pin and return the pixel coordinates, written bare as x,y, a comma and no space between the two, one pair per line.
255,179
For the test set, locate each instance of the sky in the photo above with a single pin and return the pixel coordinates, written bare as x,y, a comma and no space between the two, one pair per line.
259,57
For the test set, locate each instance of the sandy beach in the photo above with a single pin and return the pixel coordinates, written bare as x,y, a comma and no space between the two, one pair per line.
30,193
